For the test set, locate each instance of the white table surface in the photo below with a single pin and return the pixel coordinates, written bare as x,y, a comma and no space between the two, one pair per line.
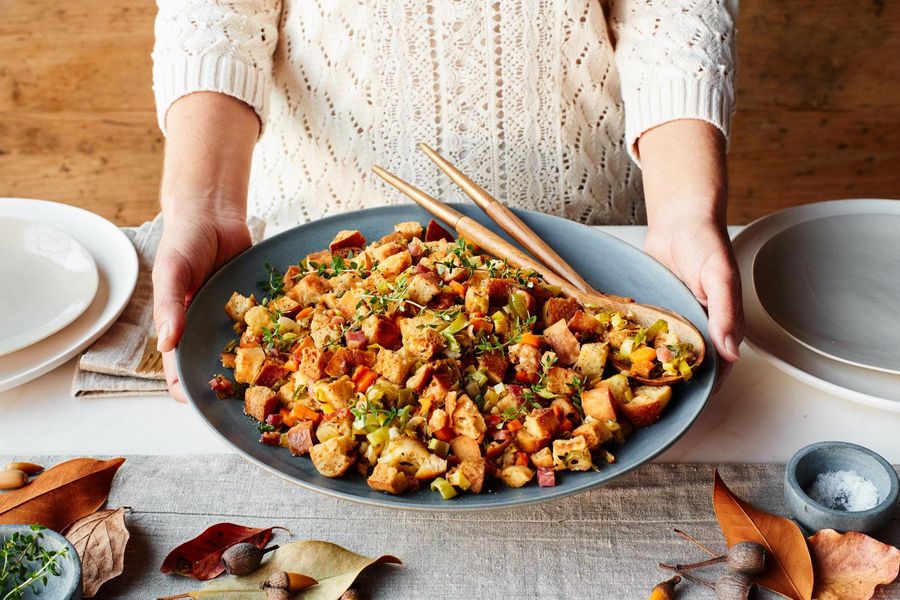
759,415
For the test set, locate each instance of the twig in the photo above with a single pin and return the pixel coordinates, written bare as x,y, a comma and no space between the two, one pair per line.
687,576
694,541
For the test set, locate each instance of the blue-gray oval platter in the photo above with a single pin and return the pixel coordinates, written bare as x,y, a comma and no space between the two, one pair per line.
605,262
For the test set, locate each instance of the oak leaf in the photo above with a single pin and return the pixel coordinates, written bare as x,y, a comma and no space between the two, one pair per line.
100,540
61,495
788,564
850,566
334,567
201,557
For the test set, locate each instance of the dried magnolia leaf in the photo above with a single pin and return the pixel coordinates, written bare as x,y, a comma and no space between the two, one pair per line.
850,566
788,564
61,495
335,568
201,557
100,541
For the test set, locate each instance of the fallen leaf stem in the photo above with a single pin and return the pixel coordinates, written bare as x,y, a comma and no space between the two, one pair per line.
697,565
688,576
694,541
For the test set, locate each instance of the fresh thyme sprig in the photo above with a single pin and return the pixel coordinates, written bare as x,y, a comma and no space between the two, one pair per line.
273,286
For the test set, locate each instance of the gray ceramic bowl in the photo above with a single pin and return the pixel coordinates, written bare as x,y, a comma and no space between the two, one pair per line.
65,587
606,262
823,457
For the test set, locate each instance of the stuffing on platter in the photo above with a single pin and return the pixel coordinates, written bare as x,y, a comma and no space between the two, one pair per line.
415,360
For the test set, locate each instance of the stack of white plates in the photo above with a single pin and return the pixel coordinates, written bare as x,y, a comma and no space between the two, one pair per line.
822,296
66,274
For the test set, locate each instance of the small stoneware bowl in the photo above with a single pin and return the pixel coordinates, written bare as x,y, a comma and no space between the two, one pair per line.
823,457
66,586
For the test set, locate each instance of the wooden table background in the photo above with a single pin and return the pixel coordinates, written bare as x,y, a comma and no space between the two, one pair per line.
818,114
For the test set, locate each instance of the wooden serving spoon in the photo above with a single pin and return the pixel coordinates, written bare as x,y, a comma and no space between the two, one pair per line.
644,314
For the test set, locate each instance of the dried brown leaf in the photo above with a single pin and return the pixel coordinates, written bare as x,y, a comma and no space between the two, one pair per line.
788,564
850,566
61,495
100,540
334,567
201,557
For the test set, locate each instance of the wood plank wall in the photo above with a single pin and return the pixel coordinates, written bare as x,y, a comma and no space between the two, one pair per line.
818,114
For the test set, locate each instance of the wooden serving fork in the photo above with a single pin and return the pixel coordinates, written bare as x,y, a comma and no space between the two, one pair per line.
472,230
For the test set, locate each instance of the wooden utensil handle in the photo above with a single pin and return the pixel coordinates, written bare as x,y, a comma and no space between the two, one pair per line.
529,240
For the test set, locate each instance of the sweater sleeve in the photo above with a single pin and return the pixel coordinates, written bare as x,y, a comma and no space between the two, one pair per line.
676,60
221,46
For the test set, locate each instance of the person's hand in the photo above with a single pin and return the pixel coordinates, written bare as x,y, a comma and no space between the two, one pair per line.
193,246
685,185
699,253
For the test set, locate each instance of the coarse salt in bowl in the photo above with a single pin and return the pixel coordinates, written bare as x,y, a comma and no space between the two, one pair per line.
841,486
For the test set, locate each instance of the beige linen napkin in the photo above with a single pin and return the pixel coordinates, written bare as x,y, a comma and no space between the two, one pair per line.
124,361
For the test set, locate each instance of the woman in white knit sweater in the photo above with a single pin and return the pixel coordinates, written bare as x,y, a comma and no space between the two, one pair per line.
563,106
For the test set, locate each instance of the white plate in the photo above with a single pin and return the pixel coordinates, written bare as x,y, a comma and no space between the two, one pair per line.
873,388
48,278
117,267
833,284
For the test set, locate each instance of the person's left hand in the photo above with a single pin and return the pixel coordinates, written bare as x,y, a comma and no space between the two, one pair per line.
699,253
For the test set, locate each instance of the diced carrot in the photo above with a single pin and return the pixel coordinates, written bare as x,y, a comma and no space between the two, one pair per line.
304,313
287,418
445,434
514,425
481,324
302,413
366,381
458,288
527,377
522,459
530,339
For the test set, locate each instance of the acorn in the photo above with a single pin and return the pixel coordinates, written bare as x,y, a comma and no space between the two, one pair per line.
290,582
26,467
735,586
665,590
12,479
748,558
244,558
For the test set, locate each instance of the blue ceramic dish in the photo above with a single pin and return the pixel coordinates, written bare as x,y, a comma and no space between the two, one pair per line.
67,586
823,457
607,263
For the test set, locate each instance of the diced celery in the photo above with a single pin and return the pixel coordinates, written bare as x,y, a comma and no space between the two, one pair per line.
439,447
453,348
685,370
491,397
657,328
639,337
625,349
458,324
603,317
459,480
405,397
480,378
443,486
501,322
393,433
472,389
379,437
617,320
518,304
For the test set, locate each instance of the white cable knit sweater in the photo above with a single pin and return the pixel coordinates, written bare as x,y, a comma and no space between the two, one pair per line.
540,101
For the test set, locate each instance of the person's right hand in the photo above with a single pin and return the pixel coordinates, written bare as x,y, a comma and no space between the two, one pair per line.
194,245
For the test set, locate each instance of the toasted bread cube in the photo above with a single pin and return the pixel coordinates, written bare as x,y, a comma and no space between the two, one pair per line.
572,454
393,366
563,342
271,373
310,289
323,329
423,288
494,364
338,423
334,457
600,403
477,300
258,319
465,448
474,470
583,323
423,342
386,478
433,466
339,393
313,362
516,476
404,453
410,230
647,405
260,402
543,458
348,302
530,443
541,423
347,239
300,438
562,381
592,359
467,420
345,360
286,305
593,432
382,331
559,309
395,264
420,378
248,362
238,305
383,251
